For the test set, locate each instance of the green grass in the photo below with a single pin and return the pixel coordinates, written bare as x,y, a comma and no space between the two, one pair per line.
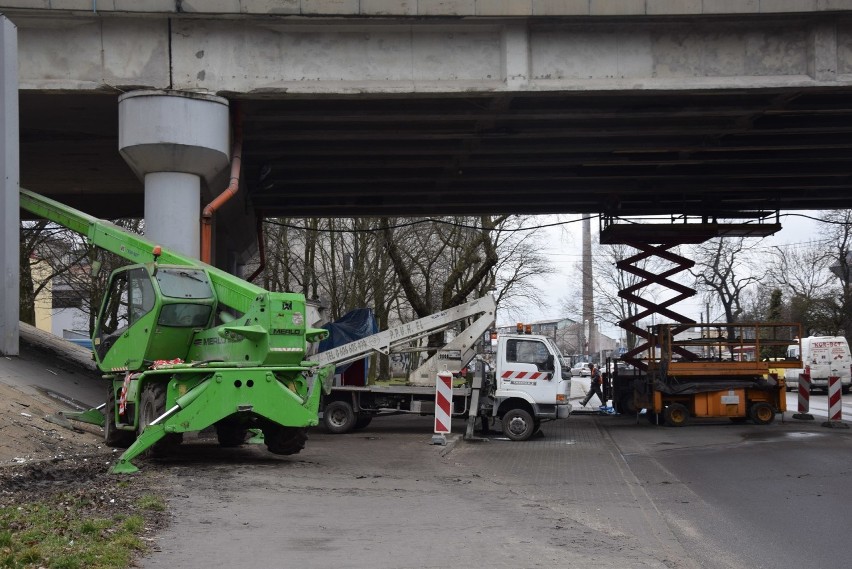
61,533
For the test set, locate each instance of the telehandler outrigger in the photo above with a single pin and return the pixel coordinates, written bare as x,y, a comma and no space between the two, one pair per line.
186,346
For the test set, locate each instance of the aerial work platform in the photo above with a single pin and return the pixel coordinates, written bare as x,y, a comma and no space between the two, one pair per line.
653,239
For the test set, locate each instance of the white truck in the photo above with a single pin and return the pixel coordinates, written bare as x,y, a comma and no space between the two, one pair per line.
825,356
530,383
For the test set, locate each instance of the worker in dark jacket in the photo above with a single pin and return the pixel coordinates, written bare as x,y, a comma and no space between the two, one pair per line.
595,387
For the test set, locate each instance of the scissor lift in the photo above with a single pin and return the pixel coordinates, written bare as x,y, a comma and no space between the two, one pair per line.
655,381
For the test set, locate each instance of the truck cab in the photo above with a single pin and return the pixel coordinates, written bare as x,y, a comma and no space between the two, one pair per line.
532,384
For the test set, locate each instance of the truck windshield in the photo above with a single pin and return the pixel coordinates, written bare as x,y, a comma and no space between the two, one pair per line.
556,351
184,283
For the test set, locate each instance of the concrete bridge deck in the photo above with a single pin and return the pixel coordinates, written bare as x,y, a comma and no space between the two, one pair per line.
403,107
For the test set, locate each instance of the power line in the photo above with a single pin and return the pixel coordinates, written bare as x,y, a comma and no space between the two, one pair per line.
428,220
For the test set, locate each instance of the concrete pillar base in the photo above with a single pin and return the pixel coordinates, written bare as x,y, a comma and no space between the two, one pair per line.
175,142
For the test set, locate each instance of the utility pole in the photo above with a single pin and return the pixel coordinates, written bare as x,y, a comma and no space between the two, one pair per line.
590,344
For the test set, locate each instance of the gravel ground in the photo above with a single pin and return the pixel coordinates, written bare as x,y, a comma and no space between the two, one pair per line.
44,456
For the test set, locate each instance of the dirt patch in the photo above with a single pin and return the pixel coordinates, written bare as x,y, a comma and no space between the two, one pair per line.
49,460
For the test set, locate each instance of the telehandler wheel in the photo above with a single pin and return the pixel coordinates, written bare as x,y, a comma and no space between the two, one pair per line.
518,425
676,415
761,413
113,436
362,421
152,404
338,417
654,418
231,434
285,440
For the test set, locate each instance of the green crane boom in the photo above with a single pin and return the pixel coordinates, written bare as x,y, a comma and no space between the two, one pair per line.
230,291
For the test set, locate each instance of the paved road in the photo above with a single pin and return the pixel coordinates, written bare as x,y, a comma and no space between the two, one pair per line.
594,491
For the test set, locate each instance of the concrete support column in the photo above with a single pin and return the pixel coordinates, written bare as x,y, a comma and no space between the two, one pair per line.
178,143
10,223
516,56
172,201
822,52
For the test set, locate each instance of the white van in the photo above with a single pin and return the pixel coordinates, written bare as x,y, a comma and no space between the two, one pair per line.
826,356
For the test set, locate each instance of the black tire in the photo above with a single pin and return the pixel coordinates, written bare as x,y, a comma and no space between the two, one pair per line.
152,404
285,440
338,417
231,433
363,421
113,436
845,389
518,425
676,415
761,413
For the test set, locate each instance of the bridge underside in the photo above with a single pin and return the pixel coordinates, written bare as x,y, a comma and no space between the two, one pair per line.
620,153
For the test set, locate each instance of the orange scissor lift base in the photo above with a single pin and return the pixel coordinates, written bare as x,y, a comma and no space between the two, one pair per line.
711,375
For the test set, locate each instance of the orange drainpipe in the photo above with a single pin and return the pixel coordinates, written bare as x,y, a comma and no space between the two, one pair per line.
227,194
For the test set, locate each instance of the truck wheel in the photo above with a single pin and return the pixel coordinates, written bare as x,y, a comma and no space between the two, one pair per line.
518,425
285,440
654,418
845,389
676,415
762,413
152,404
338,417
113,436
230,433
362,421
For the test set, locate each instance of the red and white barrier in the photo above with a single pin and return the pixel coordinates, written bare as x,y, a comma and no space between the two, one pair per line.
835,404
804,395
443,407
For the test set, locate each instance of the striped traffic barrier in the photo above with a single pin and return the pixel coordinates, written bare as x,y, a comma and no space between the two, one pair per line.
804,396
443,407
835,404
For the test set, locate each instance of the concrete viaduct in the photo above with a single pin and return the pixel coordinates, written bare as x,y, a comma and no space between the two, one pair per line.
410,107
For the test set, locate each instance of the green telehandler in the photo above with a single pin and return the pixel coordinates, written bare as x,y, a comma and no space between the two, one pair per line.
186,346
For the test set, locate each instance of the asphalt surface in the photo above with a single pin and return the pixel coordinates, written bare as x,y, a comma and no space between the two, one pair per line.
593,491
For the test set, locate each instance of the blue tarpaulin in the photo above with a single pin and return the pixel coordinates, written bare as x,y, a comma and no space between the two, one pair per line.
353,325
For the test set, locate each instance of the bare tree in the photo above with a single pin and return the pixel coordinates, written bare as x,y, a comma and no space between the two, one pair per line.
440,265
610,281
520,267
802,274
837,303
32,238
722,270
63,261
282,265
